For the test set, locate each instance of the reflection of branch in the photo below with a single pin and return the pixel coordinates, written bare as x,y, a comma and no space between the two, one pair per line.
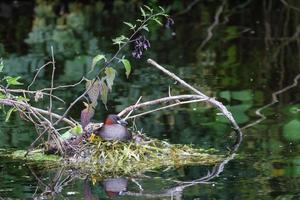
289,6
214,24
287,42
188,8
274,101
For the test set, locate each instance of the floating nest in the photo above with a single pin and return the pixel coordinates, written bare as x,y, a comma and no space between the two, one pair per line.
115,158
106,158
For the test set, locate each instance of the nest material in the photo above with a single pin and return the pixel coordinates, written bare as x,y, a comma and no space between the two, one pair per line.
107,157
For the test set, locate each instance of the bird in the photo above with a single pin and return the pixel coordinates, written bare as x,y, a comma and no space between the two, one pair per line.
114,129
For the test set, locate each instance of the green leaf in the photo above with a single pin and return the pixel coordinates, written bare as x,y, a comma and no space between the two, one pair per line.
21,98
130,25
8,114
96,59
104,92
1,65
120,40
143,12
2,96
127,66
145,28
162,9
77,130
148,8
13,80
110,76
157,21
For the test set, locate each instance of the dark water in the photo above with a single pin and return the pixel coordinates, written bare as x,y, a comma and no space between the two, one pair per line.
245,53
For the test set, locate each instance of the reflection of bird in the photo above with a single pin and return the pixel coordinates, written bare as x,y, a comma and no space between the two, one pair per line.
114,128
114,186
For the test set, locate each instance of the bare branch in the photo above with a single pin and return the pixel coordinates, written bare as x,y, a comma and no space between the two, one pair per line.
11,102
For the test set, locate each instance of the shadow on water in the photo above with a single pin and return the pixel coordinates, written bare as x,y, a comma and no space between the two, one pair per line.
245,54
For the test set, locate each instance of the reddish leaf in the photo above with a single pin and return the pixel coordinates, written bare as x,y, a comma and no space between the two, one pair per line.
86,114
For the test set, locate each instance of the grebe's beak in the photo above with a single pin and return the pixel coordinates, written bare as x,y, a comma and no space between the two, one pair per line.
122,122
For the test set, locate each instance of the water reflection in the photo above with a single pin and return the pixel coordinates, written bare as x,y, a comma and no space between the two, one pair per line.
97,186
253,51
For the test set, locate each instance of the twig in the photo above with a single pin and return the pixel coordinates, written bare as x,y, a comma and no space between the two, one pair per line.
37,73
137,102
11,102
161,100
33,92
168,106
214,24
52,84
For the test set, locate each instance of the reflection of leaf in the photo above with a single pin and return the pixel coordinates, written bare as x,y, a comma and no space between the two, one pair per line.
93,90
96,59
127,66
244,95
291,130
225,95
238,111
110,76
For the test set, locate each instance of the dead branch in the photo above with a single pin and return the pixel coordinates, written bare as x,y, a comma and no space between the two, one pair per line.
10,102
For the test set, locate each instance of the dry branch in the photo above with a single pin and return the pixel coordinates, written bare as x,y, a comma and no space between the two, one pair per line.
10,102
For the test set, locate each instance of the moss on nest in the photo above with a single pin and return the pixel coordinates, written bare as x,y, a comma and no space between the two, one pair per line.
106,158
117,157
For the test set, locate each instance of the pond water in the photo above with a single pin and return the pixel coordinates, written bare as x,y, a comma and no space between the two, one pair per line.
244,54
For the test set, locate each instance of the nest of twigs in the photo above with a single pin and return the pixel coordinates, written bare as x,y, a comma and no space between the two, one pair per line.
116,157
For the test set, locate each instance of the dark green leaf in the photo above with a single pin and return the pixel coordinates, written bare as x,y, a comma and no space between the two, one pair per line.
110,76
127,66
291,130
